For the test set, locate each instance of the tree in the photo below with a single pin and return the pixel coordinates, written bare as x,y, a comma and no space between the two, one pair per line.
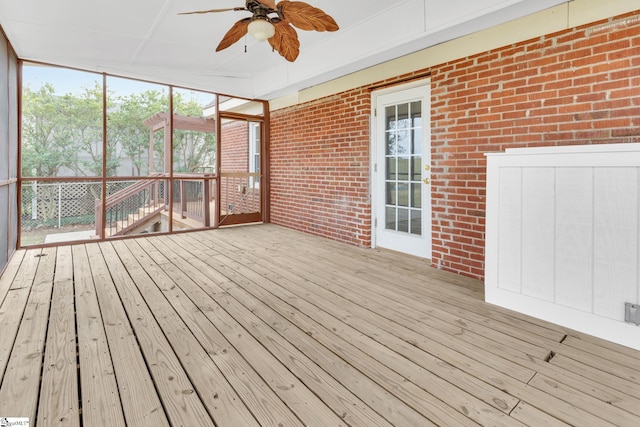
47,138
192,151
126,128
84,117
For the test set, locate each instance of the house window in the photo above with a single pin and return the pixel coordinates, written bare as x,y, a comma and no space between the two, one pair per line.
254,152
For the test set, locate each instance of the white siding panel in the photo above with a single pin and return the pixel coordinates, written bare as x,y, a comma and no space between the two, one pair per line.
563,236
574,238
538,229
509,234
616,240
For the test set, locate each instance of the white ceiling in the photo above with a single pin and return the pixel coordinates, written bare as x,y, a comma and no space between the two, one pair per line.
147,39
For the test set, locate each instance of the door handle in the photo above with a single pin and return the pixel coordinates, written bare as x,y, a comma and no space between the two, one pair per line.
426,181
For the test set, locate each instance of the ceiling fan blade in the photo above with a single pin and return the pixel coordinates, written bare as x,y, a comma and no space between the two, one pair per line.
197,12
236,32
285,41
306,17
271,4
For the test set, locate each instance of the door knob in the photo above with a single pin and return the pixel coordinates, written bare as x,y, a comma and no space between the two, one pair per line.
426,181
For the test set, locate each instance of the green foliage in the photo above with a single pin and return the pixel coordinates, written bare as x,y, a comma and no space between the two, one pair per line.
126,128
62,134
48,145
193,151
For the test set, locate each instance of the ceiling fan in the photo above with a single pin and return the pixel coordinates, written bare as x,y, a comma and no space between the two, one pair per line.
275,22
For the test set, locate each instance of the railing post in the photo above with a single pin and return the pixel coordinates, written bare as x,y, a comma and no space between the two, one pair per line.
205,201
98,214
183,200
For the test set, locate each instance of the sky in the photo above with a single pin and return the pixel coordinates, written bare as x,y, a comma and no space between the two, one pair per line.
67,81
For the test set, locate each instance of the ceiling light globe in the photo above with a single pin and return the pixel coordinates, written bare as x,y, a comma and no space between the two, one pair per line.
261,29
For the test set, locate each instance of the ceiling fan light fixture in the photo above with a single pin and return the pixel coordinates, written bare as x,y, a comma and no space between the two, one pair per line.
261,29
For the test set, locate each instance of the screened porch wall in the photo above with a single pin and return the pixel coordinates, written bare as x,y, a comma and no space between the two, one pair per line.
8,151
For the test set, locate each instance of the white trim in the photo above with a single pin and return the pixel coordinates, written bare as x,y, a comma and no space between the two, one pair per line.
252,151
425,86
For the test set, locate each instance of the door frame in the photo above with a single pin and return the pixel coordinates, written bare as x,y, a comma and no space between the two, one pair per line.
375,146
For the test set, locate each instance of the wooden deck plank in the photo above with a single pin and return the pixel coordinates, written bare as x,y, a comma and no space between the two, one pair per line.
59,401
587,384
604,410
603,377
420,330
367,298
415,287
629,404
293,392
181,404
23,369
12,308
140,401
299,329
10,271
344,346
629,361
162,296
384,402
520,390
336,396
430,370
100,396
535,417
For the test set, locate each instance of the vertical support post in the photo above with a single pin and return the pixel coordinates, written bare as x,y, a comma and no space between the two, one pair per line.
34,200
98,213
218,170
59,205
265,164
183,199
205,201
167,146
151,154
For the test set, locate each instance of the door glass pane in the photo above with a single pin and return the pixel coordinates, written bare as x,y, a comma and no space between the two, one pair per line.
391,193
392,174
416,222
403,116
390,114
416,172
390,223
416,195
417,140
403,167
416,127
403,220
403,194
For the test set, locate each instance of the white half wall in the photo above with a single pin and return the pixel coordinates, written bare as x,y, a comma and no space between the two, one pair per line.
563,236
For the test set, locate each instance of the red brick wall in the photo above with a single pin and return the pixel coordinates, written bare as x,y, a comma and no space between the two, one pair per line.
580,86
320,167
235,147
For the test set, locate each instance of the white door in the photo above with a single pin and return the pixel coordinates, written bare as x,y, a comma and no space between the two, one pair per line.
401,170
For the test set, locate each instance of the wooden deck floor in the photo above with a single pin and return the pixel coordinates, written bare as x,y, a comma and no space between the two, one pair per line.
263,326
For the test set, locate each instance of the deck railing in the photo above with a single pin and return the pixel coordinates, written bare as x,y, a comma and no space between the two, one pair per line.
131,207
128,208
192,197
